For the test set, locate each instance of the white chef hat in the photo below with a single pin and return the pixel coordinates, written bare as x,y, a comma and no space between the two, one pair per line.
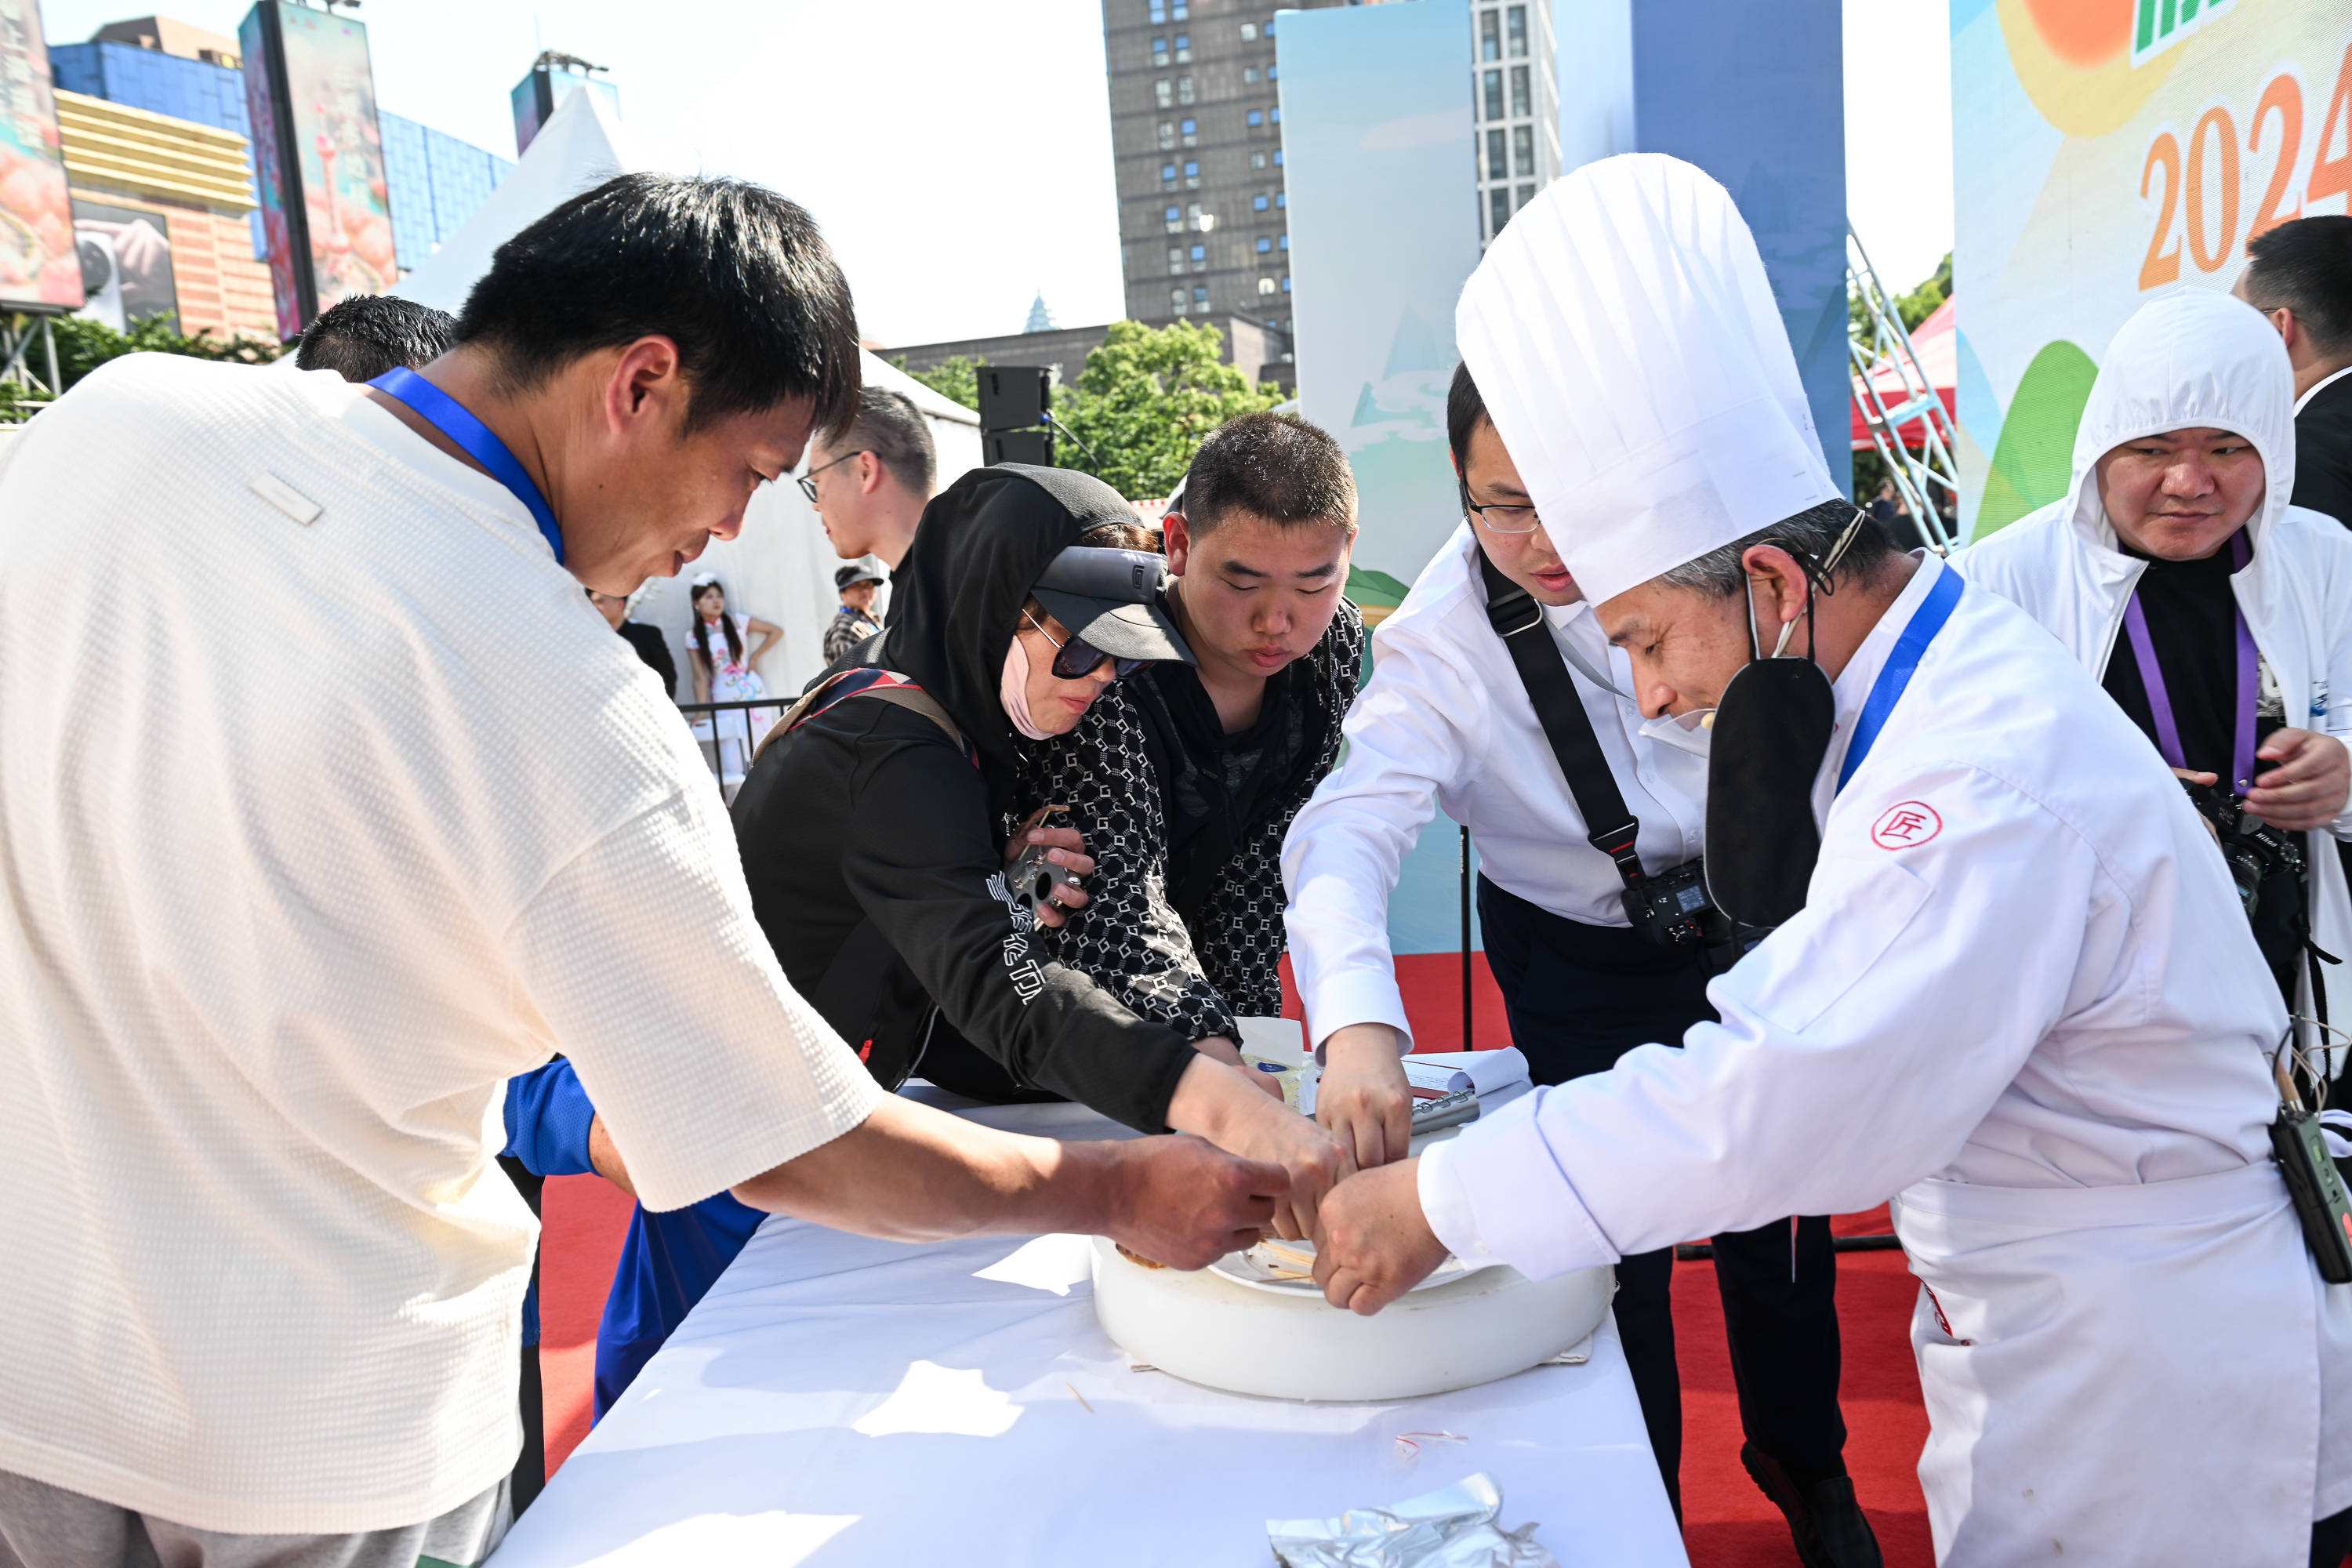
1624,338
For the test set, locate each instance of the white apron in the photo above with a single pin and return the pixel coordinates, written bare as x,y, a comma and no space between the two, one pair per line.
2085,1354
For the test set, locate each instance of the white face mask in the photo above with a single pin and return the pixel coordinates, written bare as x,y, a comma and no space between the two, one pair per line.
1690,732
1012,689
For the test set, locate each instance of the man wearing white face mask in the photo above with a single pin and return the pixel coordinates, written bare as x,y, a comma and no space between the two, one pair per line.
1449,719
2010,985
2218,615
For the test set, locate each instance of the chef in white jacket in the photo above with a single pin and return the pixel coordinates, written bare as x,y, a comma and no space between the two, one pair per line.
1447,719
2183,463
2018,997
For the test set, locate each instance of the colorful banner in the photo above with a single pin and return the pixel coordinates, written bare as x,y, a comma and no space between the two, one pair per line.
39,268
1382,174
319,159
2107,150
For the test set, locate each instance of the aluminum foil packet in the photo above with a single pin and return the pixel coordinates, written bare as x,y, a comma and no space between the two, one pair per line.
1453,1526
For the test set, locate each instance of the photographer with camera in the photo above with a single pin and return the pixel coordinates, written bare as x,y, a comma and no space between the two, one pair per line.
1496,696
2218,615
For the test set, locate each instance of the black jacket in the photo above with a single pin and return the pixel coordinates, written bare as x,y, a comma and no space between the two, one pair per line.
653,648
2323,452
870,812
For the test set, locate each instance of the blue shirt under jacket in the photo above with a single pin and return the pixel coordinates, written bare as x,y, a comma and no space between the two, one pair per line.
669,1262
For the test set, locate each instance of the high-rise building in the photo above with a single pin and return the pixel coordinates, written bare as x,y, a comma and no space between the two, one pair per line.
553,78
1514,93
1196,133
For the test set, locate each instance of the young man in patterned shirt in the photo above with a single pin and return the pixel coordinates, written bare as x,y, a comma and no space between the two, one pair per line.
1182,779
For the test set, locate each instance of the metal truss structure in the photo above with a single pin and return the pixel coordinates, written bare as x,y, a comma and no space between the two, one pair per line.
1880,350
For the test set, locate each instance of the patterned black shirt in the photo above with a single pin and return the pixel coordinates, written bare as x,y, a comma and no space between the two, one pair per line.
1130,938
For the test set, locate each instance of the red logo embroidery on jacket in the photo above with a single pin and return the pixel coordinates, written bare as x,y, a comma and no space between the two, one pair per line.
1906,824
1942,1321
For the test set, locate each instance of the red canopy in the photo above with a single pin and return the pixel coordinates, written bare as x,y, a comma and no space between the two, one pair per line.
1937,342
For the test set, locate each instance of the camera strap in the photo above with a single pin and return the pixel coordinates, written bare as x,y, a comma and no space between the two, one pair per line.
1610,826
2159,702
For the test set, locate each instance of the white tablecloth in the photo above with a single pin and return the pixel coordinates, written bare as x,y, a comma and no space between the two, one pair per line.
839,1401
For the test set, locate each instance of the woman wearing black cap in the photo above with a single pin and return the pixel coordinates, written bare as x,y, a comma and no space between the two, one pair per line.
871,832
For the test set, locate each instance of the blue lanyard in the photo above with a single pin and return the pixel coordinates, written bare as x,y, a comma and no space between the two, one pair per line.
1888,688
478,440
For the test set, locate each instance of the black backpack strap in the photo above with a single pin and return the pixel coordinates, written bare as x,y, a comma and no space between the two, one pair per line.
1518,620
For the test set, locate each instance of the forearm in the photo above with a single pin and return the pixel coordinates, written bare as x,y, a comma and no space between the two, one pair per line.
912,1173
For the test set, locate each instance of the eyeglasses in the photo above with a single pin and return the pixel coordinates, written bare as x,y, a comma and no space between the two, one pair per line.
807,482
1078,658
1503,519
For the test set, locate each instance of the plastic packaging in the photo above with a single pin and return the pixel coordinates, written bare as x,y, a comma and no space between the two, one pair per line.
1455,1527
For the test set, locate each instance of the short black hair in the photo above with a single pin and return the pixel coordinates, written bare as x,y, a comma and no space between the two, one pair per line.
1466,410
1811,536
889,425
2305,265
362,336
1271,466
732,273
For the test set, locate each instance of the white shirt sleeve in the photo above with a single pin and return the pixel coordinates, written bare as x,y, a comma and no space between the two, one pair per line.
1410,735
647,968
1860,1047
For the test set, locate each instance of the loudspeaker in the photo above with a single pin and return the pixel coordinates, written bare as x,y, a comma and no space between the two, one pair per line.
1034,447
1012,397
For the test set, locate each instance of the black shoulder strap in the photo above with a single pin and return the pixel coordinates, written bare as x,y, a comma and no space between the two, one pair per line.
1610,823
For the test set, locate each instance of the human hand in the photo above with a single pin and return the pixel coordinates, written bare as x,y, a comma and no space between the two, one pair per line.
138,245
1067,849
2307,789
1363,1098
1182,1202
1216,1047
1219,1102
606,1156
1374,1243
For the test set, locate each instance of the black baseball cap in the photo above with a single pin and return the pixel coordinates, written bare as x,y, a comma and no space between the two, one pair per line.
1110,598
855,572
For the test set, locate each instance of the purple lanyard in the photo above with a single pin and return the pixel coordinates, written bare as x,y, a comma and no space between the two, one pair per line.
2160,704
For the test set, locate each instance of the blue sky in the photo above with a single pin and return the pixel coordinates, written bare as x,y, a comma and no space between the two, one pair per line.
959,153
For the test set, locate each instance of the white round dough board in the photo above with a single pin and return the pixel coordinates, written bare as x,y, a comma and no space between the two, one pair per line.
1209,1330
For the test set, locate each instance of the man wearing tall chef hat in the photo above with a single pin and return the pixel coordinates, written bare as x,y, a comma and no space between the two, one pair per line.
2009,983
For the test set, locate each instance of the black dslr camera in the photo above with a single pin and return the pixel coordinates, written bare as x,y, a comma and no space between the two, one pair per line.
2256,853
1672,910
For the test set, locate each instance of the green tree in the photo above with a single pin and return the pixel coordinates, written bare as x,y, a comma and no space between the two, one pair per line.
83,344
1147,398
952,377
1928,299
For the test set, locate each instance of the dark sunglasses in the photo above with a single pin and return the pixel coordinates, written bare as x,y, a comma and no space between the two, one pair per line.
1078,658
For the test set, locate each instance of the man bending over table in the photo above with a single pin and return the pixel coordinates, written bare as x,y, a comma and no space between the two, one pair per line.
272,936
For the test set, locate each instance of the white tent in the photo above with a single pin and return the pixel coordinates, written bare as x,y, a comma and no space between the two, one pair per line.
780,568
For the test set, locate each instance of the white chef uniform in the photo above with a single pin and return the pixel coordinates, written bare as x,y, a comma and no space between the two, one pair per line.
2199,359
1445,721
2021,996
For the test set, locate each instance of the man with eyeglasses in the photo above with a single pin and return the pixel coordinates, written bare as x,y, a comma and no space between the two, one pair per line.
1449,721
871,480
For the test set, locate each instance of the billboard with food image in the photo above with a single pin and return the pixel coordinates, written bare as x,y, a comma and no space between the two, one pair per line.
39,268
